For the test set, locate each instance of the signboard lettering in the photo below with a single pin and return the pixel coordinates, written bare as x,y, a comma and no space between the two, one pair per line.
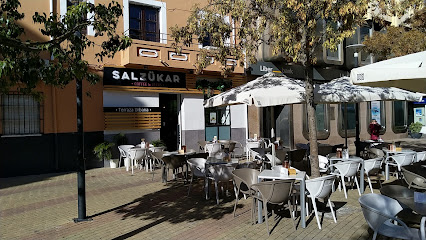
143,78
131,109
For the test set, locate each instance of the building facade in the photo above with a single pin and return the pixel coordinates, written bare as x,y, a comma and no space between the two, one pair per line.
147,91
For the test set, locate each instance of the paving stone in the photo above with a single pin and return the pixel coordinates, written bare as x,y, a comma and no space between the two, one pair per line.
123,206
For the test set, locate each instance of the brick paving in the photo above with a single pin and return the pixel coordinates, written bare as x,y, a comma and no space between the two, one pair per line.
123,206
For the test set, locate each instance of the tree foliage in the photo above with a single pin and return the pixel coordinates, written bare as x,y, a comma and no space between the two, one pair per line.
21,59
395,41
294,29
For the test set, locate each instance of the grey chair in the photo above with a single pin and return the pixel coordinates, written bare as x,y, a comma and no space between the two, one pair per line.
380,213
274,192
173,162
198,169
421,156
244,178
320,188
372,166
221,173
413,180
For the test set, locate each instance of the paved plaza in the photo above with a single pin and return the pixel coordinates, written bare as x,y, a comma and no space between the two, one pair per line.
123,206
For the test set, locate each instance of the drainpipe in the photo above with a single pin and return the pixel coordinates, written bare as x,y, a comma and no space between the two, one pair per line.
54,113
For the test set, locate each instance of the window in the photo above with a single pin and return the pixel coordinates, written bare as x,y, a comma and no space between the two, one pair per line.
323,121
75,3
399,113
20,114
160,8
333,56
64,4
366,57
376,110
143,23
218,123
351,123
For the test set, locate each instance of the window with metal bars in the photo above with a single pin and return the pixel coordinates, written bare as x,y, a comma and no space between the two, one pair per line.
21,114
144,23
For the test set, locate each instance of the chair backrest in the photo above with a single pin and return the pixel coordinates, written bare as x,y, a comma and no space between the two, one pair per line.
157,149
421,156
221,172
275,192
137,153
213,148
413,179
232,146
377,152
378,208
372,165
177,161
198,166
320,187
347,168
245,177
252,144
158,155
403,159
124,149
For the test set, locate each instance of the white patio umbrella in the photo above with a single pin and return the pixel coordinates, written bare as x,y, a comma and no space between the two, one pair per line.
406,72
341,90
271,90
267,90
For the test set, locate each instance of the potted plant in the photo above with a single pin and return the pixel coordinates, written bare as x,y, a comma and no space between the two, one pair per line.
103,152
415,128
158,143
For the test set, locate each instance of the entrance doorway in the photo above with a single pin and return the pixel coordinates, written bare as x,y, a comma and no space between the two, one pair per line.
169,120
280,119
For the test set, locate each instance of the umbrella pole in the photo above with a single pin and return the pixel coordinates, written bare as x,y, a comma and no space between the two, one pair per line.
346,125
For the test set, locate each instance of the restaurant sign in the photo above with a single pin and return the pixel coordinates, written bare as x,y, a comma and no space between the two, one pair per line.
131,109
143,78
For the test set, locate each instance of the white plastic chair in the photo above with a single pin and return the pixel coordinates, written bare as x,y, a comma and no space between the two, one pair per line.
220,173
321,188
249,152
400,160
137,156
421,156
323,164
198,169
213,149
372,166
124,154
380,213
347,169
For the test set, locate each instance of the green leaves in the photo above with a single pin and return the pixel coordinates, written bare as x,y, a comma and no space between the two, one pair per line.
26,62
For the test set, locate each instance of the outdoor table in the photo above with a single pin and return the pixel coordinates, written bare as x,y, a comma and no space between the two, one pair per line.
355,159
276,175
389,153
405,196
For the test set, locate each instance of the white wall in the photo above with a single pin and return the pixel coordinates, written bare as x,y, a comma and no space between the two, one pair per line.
130,99
192,112
239,116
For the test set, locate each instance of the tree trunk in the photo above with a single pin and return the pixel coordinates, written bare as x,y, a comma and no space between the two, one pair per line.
312,124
